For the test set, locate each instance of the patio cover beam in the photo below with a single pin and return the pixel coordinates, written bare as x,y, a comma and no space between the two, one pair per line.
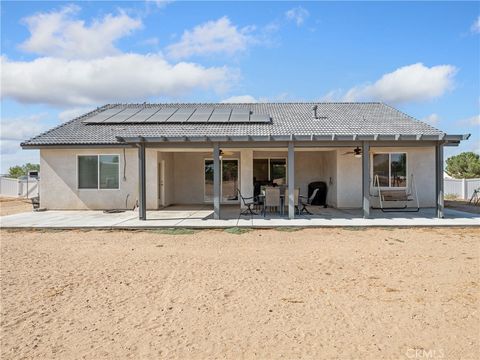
291,180
142,194
439,179
216,181
366,179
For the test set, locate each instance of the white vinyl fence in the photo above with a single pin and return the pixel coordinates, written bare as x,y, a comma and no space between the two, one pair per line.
19,187
462,188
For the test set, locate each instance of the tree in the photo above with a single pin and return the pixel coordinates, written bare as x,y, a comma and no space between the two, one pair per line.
17,171
464,166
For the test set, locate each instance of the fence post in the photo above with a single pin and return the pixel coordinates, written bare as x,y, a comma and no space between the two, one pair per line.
464,189
19,187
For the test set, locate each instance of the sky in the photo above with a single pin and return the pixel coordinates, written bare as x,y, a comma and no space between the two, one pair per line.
62,59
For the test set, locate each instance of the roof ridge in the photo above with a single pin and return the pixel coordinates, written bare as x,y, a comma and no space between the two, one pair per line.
251,103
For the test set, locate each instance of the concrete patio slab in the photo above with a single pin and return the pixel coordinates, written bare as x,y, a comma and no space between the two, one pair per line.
202,217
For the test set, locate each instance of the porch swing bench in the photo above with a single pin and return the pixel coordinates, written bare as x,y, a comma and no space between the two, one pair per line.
394,196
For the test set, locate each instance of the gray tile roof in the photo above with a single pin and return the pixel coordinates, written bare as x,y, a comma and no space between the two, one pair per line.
287,119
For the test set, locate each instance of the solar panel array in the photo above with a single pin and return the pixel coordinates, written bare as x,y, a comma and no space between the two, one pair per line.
150,115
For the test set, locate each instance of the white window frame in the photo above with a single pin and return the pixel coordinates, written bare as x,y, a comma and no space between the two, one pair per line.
98,173
390,169
275,158
205,200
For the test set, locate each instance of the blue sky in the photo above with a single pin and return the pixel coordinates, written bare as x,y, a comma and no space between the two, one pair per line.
61,59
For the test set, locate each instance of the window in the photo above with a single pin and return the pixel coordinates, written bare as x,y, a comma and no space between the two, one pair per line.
87,172
391,169
278,171
98,171
229,178
270,170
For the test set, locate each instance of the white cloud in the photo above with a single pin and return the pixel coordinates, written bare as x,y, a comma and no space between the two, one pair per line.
154,41
159,3
475,28
60,34
410,83
12,154
431,119
240,99
125,77
22,128
73,113
471,121
12,132
298,15
212,37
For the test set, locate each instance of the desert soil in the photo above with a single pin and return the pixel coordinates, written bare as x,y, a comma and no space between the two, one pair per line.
264,294
10,206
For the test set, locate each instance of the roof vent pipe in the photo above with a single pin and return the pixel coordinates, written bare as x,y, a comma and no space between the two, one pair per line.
314,111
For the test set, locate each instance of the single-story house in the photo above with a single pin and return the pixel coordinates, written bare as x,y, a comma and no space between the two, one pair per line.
155,155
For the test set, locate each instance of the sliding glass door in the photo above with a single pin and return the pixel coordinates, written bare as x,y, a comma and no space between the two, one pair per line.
270,170
229,177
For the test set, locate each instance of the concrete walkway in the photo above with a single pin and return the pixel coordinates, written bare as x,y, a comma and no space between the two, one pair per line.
202,217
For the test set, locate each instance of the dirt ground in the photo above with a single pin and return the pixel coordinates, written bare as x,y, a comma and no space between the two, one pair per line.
462,205
264,294
9,206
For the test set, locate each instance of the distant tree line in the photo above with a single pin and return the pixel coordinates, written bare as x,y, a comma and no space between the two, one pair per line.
464,166
21,170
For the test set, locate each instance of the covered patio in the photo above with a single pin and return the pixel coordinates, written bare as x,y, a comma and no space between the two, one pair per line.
202,216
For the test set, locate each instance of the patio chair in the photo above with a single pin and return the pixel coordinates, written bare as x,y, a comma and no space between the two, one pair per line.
296,197
307,201
475,199
248,202
272,199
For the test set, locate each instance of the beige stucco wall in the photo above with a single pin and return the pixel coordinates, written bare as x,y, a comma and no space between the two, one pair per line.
184,176
420,162
58,186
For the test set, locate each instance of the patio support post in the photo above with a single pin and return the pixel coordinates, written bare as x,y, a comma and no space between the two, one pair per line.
439,179
216,181
142,195
366,178
291,180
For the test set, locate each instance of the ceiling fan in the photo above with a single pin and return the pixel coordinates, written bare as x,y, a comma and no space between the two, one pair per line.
227,153
357,152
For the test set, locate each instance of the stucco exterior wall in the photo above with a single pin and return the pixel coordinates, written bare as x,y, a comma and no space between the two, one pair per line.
59,182
184,176
420,162
188,174
313,166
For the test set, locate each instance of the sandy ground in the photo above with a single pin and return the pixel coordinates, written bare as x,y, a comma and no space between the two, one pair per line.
10,206
462,205
265,294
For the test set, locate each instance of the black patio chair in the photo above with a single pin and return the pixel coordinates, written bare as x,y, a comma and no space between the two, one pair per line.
248,202
307,201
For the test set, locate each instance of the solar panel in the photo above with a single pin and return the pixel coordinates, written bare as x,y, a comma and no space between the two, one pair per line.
142,115
220,115
240,115
162,115
201,115
260,118
157,114
181,115
102,116
123,115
